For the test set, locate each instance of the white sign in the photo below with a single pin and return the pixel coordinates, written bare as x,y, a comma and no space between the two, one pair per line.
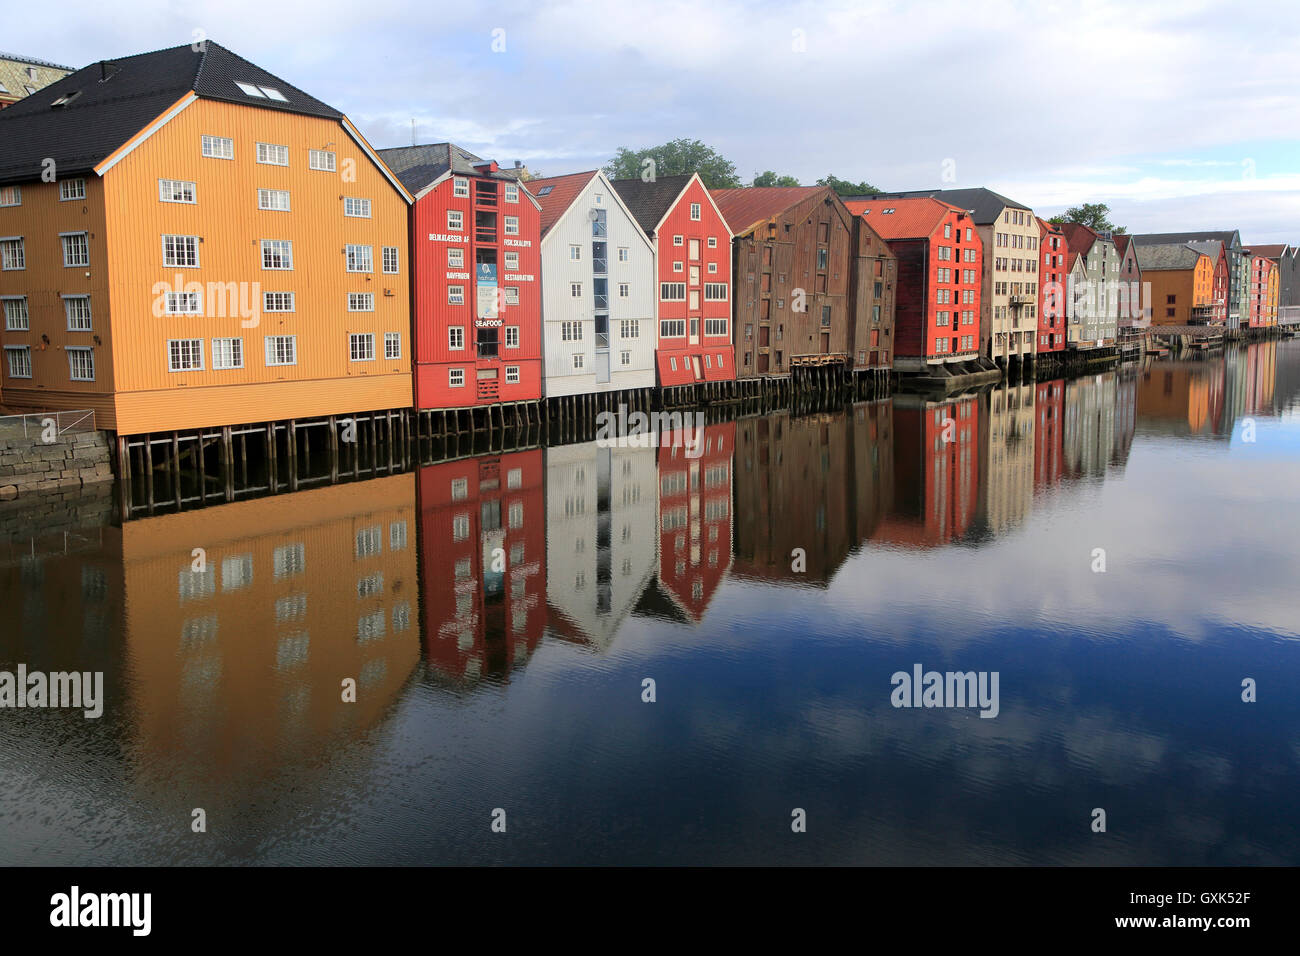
515,277
444,237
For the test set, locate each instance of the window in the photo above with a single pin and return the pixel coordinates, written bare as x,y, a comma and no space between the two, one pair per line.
571,331
219,147
321,159
575,290
512,374
76,249
11,196
455,295
392,345
361,302
512,261
713,267
282,350
672,291
672,328
273,199
715,326
713,242
277,301
677,266
695,212
182,251
390,260
512,225
175,190
227,353
455,257
184,355
272,155
456,377
512,295
575,252
715,292
184,303
460,187
625,357
17,318
512,192
277,254
356,208
678,241
20,361
12,254
629,328
512,336
361,258
361,347
455,220
623,290
70,189
579,361
456,338
622,253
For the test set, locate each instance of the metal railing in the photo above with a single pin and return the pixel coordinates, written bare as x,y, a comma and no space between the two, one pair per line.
36,424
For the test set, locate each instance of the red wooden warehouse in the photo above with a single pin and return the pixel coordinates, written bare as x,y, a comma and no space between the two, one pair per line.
1051,287
693,262
937,300
475,233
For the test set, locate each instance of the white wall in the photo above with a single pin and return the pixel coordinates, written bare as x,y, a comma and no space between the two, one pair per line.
558,305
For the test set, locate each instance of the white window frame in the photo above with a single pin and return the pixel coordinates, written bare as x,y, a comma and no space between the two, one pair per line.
271,154
460,187
11,195
455,220
217,354
196,346
285,255
455,257
268,306
70,190
354,255
80,263
360,208
455,378
695,212
512,374
183,303
13,352
455,295
391,353
180,243
17,254
394,254
510,225
512,337
361,302
169,188
268,199
316,160
455,338
12,322
512,192
272,360
217,147
359,344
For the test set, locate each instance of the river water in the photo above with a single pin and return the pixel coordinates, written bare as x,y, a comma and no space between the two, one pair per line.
686,654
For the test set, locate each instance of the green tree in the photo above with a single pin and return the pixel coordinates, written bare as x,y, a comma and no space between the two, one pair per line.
770,178
678,157
843,187
1094,215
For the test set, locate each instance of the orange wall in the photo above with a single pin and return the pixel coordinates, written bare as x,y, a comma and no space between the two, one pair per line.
227,219
1182,284
39,220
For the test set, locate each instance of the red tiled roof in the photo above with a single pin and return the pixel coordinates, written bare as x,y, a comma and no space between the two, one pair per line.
1271,251
911,219
1078,237
1121,242
564,190
746,207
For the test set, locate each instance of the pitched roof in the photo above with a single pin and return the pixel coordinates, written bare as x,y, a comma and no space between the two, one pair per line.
1078,237
15,58
1165,238
1213,248
556,194
1270,251
420,166
1121,242
914,218
116,99
1167,256
987,204
748,206
648,202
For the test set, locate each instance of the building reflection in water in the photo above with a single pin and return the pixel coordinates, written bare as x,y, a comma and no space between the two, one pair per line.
1006,477
483,563
242,623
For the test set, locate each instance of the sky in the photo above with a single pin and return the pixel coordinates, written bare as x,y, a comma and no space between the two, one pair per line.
1179,116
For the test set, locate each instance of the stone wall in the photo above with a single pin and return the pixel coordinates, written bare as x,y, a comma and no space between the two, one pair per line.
71,461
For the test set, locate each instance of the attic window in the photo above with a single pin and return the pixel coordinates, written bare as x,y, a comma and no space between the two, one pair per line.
66,99
251,90
274,94
262,92
886,212
544,190
3,88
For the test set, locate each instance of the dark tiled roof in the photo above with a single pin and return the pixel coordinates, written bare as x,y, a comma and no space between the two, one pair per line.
116,99
418,166
561,191
987,204
745,208
1214,248
1166,255
649,201
1165,238
1270,251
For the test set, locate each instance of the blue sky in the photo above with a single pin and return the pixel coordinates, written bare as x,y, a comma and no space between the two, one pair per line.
1178,115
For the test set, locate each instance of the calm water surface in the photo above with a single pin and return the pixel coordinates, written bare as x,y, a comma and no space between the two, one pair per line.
482,687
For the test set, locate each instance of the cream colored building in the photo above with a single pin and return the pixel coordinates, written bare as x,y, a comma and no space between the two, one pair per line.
20,77
1008,458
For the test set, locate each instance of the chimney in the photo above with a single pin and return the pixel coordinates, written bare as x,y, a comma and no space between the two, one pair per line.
107,69
518,164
